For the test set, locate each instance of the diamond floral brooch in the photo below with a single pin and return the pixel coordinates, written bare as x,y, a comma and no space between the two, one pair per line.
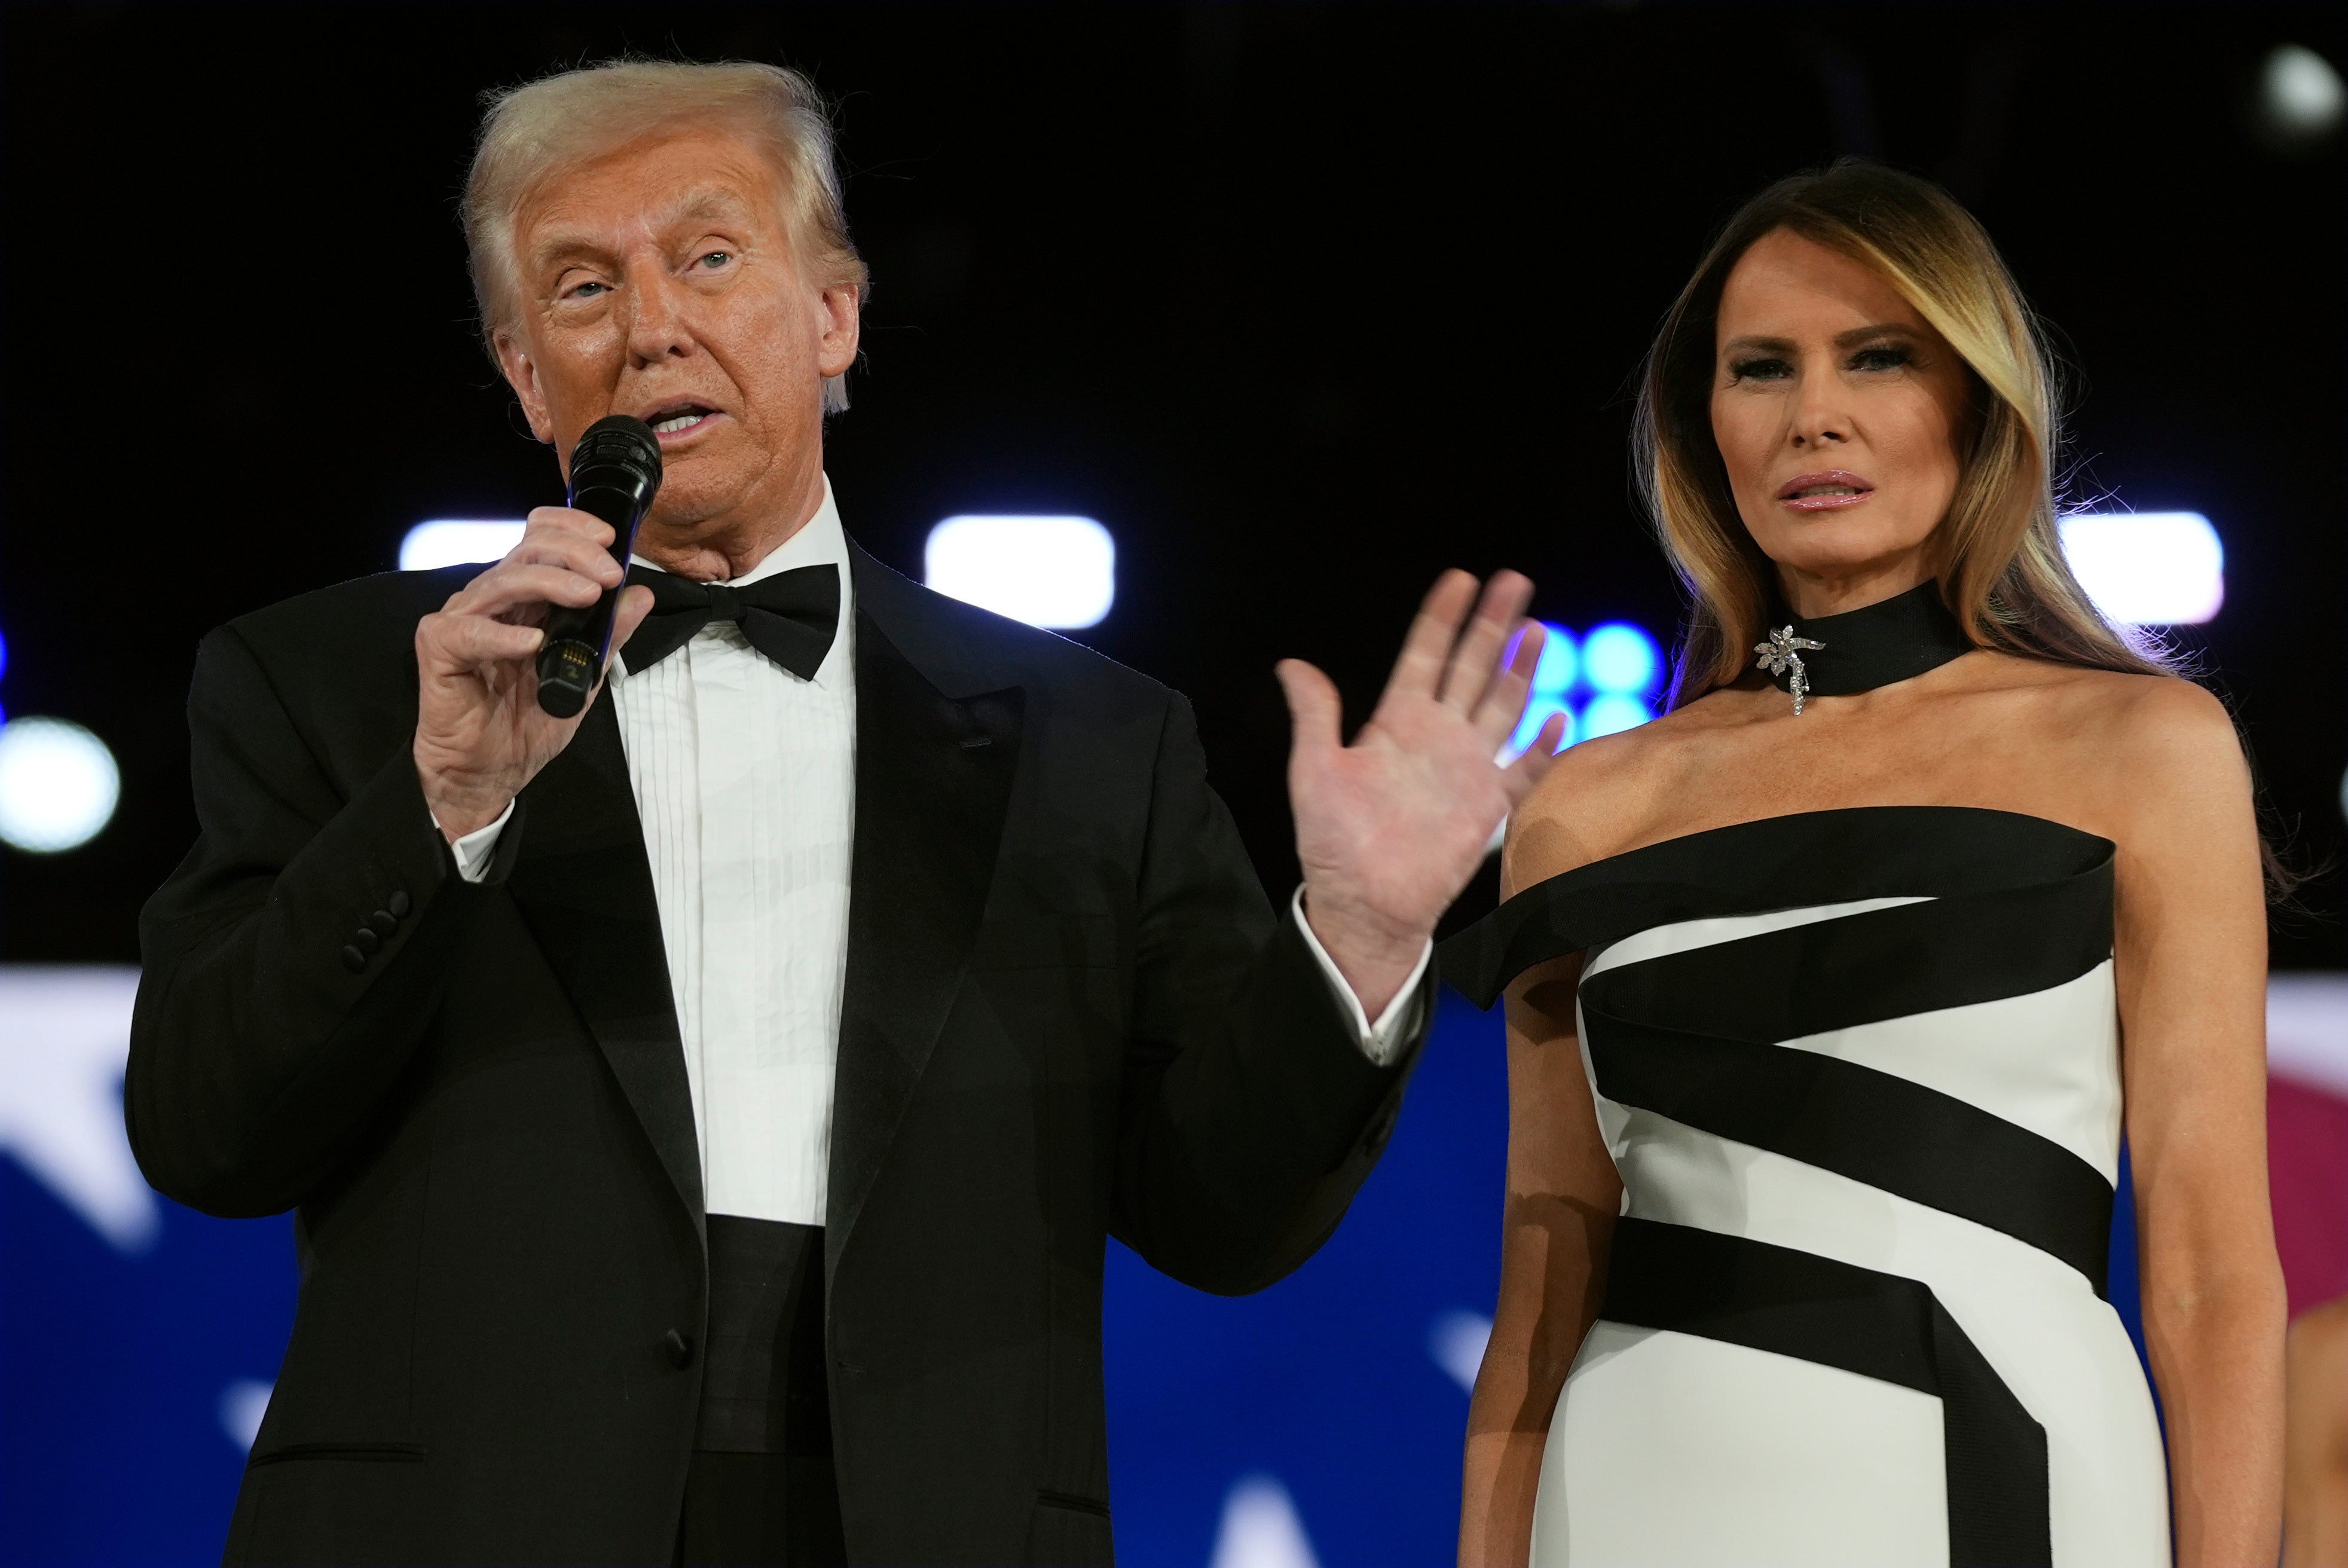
1780,652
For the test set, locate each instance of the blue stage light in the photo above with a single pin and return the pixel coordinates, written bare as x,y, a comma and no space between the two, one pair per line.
1610,712
1621,659
1561,662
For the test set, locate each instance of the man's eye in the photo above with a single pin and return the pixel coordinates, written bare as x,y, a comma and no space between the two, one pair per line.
585,290
716,259
1759,369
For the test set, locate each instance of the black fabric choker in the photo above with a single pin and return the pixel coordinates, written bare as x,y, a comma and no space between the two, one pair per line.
1859,650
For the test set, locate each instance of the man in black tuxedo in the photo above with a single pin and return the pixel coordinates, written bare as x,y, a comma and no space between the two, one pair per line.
672,1188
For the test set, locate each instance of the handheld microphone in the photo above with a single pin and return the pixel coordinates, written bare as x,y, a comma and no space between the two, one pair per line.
615,471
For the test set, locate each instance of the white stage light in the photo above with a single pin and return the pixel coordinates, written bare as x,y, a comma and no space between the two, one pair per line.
58,785
65,1031
1621,659
1610,713
448,543
1055,572
2149,568
1260,1528
2300,93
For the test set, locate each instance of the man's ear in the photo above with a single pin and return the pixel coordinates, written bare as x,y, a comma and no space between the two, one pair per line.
842,327
522,374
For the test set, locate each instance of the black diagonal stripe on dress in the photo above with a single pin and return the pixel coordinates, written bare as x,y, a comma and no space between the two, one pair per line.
1692,1035
1873,1127
1778,863
1879,1326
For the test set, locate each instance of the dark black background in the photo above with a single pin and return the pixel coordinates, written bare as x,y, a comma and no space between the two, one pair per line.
1304,302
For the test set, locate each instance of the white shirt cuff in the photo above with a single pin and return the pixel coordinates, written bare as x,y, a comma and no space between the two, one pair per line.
1382,1041
474,849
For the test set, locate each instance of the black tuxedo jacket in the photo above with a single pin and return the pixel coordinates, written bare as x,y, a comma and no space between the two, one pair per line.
1069,1013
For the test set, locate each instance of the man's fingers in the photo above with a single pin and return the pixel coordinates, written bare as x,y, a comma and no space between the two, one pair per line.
1478,651
1313,708
509,585
569,520
466,642
1503,702
1519,777
1418,668
572,552
635,603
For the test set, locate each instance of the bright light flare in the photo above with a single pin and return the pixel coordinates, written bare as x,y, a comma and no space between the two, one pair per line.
1053,572
1621,659
2149,568
450,542
2299,94
58,785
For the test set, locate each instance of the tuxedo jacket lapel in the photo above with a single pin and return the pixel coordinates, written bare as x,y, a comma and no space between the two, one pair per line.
585,889
937,749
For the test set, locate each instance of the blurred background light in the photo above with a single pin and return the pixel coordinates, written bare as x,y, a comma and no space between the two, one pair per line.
451,542
2300,95
1053,572
1610,713
1621,659
1553,678
2149,568
58,785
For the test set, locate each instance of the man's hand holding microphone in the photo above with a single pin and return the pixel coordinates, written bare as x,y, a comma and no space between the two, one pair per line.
506,667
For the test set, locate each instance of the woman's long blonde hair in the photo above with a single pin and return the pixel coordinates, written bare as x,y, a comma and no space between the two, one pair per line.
1996,554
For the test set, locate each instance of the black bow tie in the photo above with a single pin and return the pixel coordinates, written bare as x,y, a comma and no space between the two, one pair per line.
790,617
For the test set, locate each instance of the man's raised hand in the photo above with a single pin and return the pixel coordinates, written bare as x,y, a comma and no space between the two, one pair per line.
480,735
1391,828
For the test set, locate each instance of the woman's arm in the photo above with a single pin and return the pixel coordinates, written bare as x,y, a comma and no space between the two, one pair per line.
2315,1486
2190,945
1556,1222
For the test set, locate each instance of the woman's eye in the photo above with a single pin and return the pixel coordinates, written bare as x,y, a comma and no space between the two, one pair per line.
1759,369
1889,357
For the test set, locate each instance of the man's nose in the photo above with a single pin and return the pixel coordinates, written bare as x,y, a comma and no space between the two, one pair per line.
659,324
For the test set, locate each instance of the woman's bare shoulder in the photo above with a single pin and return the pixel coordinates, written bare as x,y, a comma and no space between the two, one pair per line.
1598,799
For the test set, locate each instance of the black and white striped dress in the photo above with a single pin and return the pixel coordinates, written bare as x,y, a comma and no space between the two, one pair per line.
1859,1073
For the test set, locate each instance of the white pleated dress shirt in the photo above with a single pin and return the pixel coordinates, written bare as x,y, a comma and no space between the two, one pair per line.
745,779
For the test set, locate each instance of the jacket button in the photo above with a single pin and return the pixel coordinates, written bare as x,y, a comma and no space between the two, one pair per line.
678,1348
354,960
397,903
382,922
366,941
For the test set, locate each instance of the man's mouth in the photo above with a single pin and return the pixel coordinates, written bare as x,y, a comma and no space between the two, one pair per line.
675,418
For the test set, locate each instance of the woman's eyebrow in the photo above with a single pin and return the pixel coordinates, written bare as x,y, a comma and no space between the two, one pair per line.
1859,335
1758,346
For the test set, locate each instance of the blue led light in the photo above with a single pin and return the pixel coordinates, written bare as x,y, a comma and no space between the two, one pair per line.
1561,662
1612,712
1621,659
1538,706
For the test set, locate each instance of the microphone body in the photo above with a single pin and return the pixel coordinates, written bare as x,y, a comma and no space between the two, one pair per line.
615,471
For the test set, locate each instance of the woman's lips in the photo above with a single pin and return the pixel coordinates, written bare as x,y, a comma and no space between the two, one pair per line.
1828,491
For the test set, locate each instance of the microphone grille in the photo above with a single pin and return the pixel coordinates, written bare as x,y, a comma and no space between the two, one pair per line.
618,441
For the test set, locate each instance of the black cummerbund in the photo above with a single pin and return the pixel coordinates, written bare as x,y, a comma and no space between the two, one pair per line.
762,1387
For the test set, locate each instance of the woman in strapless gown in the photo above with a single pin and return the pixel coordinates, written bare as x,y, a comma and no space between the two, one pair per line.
1831,991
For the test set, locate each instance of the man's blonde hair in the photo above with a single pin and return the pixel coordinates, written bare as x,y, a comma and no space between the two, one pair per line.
532,134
